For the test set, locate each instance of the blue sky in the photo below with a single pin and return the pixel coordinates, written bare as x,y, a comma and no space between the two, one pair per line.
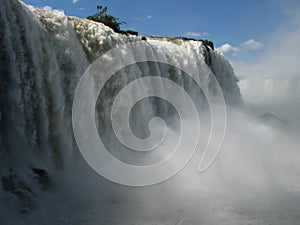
242,29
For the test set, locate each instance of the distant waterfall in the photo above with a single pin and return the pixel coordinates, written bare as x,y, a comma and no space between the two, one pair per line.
270,89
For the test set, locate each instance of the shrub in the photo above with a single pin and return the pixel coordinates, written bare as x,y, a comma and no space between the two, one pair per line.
132,32
103,17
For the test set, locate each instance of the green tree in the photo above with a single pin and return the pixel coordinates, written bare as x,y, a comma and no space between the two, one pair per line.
103,17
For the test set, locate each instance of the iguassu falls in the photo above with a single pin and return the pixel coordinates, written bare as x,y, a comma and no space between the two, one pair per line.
99,127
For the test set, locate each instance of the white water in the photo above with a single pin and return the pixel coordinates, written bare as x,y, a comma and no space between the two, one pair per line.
270,89
43,55
279,96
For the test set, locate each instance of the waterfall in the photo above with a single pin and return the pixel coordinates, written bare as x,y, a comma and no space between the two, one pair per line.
43,56
279,96
39,71
271,89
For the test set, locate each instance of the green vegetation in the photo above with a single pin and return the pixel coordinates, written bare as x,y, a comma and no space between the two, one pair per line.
186,39
113,22
129,32
168,39
132,32
175,41
103,17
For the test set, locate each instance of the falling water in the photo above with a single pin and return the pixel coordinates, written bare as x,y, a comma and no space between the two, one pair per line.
43,55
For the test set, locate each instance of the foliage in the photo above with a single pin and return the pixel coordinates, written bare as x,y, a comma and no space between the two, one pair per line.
103,17
206,43
175,41
132,32
186,39
129,32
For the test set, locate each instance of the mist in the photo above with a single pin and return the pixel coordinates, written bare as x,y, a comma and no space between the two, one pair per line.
254,180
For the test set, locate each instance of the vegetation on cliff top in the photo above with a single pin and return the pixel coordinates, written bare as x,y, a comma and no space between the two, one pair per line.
103,17
113,22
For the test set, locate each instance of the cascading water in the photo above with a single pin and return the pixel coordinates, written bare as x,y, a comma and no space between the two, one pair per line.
279,96
43,56
39,71
271,89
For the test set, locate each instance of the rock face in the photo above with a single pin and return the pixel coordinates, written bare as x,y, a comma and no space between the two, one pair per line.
8,183
15,186
42,178
26,189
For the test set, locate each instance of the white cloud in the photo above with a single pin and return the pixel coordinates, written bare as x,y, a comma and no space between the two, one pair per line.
279,58
280,55
144,18
252,45
196,34
228,48
81,8
75,1
47,7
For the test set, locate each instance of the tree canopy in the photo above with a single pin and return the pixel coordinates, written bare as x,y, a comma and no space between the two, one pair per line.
103,17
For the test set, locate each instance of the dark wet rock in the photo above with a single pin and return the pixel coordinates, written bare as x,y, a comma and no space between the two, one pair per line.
7,183
128,32
186,39
26,199
207,56
13,184
132,32
42,177
271,119
208,44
